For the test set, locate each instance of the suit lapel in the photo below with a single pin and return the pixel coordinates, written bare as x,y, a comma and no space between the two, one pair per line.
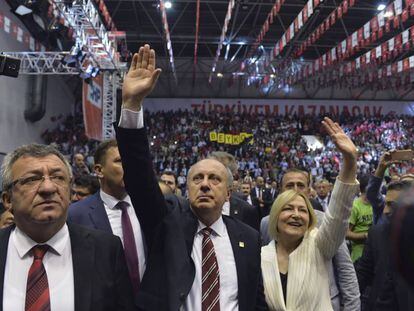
4,244
98,215
83,257
238,246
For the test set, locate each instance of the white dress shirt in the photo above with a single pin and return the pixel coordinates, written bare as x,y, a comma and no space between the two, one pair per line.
226,208
227,268
58,265
115,220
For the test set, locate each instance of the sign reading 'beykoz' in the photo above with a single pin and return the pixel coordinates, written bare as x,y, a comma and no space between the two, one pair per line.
282,107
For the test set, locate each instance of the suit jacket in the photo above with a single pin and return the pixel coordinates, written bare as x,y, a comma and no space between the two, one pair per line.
388,291
90,212
308,278
170,234
101,280
343,283
267,201
244,212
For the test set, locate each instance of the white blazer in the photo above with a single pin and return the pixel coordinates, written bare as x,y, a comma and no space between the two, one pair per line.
308,281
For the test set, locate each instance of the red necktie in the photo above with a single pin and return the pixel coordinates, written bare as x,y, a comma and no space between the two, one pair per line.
130,247
210,300
37,289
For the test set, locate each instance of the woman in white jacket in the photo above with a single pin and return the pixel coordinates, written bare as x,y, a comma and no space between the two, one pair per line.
294,264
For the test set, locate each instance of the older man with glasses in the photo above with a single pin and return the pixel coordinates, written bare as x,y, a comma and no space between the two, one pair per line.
46,264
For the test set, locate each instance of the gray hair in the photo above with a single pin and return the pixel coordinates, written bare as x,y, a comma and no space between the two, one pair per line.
31,150
229,174
226,158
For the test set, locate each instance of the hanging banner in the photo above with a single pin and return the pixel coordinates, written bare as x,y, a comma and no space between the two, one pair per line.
92,107
276,107
231,139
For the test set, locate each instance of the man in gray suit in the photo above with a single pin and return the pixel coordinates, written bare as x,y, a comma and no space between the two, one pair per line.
343,283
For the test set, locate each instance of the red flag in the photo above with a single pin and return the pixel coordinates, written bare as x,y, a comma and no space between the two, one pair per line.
345,6
404,15
339,12
333,18
387,26
396,23
374,24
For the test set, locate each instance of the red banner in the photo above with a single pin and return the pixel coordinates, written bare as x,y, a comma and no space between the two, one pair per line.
92,107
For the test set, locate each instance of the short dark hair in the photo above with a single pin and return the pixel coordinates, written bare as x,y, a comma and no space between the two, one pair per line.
103,147
363,182
170,173
399,185
88,181
297,170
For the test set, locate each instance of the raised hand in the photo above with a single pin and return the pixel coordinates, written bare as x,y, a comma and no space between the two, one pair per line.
342,142
345,146
141,78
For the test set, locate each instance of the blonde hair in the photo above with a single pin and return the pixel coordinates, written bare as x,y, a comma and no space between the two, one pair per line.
285,198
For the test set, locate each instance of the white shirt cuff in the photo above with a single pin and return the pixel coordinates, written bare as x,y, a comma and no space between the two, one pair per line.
131,119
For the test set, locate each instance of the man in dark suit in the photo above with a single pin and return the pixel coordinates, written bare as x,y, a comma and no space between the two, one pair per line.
101,211
46,264
261,197
192,254
374,268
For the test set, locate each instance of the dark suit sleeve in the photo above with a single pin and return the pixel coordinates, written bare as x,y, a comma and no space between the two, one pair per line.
123,283
260,296
140,180
366,264
387,298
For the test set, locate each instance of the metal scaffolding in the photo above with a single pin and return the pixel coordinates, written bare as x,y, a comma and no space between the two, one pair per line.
43,63
90,33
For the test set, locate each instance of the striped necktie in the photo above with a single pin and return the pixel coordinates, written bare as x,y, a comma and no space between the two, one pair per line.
210,300
37,289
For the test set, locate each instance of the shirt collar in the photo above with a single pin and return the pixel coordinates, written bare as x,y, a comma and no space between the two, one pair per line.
219,228
111,201
24,243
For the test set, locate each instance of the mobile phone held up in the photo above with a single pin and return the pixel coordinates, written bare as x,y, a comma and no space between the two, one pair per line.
9,66
402,155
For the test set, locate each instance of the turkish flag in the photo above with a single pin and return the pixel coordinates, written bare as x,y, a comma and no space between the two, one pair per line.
374,24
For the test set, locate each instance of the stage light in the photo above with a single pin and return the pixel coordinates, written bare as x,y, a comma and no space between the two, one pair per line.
381,7
219,75
272,76
168,5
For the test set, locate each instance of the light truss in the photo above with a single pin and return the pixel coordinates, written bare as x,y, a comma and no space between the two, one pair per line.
111,82
43,63
89,31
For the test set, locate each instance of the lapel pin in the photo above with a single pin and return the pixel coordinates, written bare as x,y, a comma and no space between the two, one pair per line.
241,244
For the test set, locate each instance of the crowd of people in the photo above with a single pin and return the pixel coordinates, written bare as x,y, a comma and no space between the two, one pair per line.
161,218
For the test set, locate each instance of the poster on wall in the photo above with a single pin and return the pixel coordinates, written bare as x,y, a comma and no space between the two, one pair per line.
92,107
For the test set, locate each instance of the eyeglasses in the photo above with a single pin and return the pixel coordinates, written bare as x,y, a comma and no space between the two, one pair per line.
34,181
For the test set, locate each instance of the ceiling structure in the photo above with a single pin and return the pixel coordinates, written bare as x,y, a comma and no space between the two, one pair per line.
142,21
273,48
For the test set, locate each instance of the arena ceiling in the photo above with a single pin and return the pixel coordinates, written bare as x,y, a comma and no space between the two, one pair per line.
141,19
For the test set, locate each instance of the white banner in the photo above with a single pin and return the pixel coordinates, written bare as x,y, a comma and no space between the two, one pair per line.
280,106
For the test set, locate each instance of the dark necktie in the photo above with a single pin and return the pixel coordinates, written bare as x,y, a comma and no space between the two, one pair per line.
37,289
130,247
210,300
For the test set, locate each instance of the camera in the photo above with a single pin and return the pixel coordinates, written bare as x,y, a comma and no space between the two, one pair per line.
9,66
